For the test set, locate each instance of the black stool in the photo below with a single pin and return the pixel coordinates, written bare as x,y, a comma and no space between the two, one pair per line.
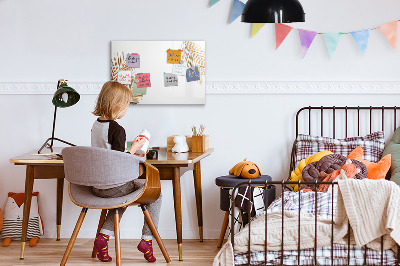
226,183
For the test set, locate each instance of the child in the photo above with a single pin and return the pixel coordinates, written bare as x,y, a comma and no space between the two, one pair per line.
112,103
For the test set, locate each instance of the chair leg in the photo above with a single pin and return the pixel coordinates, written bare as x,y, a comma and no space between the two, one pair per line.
73,237
223,229
154,230
101,222
117,239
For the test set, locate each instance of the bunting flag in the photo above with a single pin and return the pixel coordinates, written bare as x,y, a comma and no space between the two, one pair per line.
389,30
361,37
213,2
306,39
237,9
332,41
281,31
256,27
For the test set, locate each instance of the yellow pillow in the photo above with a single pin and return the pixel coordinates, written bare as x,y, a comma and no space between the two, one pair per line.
296,174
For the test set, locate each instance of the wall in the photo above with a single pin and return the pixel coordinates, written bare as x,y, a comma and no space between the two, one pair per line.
47,40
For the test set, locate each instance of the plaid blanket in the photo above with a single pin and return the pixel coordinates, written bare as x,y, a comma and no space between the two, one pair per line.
323,205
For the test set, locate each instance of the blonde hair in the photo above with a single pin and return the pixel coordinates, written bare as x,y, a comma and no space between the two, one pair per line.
112,99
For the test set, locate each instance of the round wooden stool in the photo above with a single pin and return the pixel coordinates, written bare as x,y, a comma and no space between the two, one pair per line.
228,182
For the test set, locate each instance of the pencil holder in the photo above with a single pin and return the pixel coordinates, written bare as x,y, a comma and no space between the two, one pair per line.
200,143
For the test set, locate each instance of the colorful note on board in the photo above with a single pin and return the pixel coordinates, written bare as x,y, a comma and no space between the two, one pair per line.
124,77
144,80
192,74
174,56
170,80
179,69
133,60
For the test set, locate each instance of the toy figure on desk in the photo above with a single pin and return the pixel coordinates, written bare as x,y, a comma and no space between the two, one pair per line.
112,104
13,213
180,144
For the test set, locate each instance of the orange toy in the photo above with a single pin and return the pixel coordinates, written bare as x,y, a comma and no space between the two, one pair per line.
375,170
12,222
245,169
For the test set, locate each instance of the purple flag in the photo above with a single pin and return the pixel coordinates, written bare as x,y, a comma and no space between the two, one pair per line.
306,39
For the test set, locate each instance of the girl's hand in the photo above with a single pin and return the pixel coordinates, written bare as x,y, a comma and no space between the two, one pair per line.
142,155
137,144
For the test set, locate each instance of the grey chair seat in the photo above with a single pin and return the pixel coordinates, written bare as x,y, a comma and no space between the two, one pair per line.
83,196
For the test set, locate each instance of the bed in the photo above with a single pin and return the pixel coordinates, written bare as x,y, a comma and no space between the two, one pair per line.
298,227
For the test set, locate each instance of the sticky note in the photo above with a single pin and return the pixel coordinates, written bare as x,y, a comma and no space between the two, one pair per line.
144,80
174,56
124,77
179,69
170,80
133,60
192,74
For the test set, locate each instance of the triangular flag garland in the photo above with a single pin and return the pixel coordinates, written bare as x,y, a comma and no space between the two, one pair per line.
237,8
256,28
281,31
332,41
361,37
389,30
306,39
213,2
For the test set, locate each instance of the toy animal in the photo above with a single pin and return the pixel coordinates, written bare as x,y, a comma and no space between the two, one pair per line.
13,215
180,144
245,169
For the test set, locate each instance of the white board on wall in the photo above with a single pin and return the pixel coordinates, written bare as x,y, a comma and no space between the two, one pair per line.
153,60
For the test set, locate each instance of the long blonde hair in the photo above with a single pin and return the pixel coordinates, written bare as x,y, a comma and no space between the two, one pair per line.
112,98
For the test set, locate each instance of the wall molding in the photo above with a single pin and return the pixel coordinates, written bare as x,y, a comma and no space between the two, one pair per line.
231,87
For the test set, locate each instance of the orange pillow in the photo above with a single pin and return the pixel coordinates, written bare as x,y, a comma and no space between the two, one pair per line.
375,170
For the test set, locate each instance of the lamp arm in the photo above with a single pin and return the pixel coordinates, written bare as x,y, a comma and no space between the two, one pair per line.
54,126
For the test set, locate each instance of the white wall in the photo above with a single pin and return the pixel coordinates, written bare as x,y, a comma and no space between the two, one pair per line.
47,40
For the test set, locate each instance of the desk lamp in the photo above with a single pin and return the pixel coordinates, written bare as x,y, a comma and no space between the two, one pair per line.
64,96
272,11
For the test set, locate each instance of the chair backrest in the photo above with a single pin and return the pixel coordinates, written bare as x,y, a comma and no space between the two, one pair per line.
92,166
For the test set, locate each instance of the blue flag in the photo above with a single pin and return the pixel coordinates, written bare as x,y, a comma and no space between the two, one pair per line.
361,38
237,9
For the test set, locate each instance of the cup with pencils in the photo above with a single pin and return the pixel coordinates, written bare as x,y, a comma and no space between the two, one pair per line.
199,140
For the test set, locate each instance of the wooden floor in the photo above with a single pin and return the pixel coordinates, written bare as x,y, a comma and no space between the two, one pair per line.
50,252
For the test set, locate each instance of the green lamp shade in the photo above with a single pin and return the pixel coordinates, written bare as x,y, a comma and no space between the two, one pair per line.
65,96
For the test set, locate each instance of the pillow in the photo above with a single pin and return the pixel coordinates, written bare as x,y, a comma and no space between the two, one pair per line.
372,144
393,148
375,170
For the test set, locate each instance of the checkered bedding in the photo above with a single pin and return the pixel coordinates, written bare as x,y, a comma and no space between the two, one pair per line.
323,207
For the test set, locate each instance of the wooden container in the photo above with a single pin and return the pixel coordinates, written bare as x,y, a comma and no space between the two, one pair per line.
200,143
171,143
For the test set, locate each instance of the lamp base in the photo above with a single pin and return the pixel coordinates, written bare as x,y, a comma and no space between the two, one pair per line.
50,146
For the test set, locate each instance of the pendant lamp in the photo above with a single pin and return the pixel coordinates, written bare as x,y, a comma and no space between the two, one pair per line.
64,96
272,11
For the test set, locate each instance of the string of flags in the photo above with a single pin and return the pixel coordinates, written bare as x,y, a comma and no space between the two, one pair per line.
361,37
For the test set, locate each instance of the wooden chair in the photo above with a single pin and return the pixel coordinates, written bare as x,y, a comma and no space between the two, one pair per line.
85,167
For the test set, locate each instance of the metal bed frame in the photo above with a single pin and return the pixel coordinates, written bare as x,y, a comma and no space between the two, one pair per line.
283,184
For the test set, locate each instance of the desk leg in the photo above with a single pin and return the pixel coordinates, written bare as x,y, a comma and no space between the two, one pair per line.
60,190
176,182
27,206
197,189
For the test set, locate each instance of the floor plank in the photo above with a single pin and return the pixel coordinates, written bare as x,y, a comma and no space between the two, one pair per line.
49,252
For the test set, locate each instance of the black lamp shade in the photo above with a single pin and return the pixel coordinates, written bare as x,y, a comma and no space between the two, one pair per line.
273,11
65,96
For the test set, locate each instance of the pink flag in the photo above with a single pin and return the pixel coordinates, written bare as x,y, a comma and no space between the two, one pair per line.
389,30
281,31
306,39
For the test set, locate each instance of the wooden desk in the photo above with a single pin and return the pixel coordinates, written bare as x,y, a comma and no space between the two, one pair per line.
171,167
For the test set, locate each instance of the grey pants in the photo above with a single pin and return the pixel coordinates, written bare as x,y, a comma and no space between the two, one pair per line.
154,208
